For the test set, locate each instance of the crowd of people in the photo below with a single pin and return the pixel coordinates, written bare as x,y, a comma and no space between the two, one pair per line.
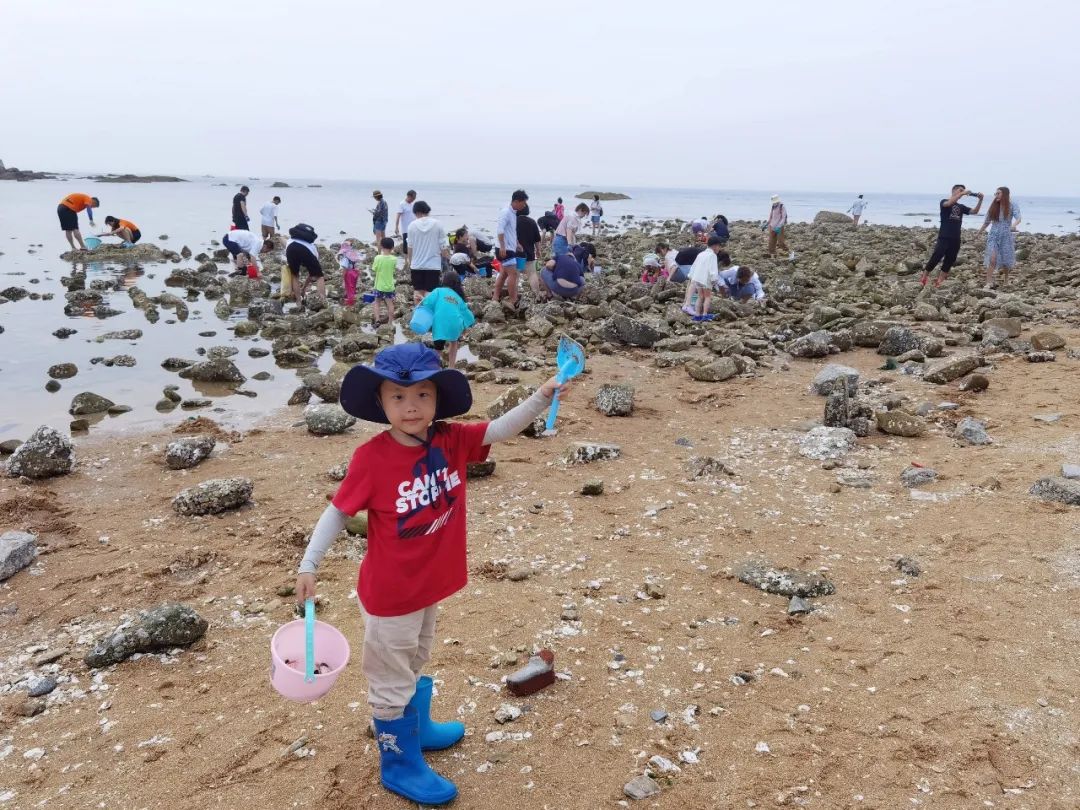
550,251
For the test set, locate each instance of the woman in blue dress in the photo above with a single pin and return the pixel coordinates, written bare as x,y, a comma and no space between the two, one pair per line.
1003,219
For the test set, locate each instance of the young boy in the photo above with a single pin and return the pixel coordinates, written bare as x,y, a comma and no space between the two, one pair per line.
383,268
411,480
703,275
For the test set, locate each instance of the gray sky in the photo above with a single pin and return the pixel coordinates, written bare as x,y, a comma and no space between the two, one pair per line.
832,95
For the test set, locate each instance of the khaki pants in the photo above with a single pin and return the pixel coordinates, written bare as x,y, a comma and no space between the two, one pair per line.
776,238
395,651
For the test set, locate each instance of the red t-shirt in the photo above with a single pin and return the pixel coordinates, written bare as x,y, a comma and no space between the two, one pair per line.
416,516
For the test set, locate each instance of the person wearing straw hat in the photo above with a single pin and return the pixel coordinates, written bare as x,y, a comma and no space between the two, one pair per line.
776,224
411,478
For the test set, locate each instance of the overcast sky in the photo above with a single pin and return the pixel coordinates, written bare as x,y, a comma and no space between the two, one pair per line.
910,96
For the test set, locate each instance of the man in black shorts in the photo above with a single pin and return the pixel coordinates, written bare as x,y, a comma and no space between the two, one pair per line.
428,247
300,251
239,209
948,241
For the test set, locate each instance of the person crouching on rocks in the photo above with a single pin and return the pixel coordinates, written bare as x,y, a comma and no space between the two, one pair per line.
244,247
411,479
738,283
127,231
564,276
652,269
301,252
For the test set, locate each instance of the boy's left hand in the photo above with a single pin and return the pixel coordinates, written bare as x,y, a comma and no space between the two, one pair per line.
549,388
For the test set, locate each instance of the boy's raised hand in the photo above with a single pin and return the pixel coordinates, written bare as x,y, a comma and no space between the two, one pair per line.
305,588
549,388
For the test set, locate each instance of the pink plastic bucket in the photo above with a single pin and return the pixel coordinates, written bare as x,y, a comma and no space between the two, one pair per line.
287,660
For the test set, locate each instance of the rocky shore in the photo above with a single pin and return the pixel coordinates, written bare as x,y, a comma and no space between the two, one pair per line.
23,175
847,288
135,178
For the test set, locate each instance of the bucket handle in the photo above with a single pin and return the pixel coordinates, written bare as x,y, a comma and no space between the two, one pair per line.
309,640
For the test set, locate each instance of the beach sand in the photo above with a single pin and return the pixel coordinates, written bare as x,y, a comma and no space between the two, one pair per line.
954,689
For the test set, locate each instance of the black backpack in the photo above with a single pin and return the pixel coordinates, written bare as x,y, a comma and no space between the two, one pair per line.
303,232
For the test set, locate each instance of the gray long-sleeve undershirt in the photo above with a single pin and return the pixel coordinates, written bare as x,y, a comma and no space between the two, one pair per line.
332,520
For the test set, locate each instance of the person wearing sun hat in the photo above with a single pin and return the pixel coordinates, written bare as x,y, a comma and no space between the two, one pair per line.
776,223
411,479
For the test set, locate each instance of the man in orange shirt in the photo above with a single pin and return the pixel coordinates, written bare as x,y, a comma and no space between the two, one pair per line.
68,211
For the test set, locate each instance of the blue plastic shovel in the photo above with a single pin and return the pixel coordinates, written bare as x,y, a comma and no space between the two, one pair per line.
309,640
571,361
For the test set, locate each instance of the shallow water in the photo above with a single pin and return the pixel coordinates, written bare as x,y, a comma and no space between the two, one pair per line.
196,212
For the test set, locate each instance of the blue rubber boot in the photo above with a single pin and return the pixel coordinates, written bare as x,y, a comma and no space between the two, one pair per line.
403,768
433,736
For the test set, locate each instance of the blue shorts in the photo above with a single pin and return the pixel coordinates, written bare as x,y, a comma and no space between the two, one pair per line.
559,246
378,225
596,220
380,294
682,273
521,262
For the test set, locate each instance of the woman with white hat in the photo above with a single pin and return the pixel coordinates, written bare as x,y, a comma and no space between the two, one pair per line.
776,223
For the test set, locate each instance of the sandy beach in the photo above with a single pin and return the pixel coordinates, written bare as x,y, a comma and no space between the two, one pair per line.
950,688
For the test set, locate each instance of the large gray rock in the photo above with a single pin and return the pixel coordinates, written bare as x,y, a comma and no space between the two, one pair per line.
63,371
615,399
327,420
814,344
715,370
824,382
17,550
832,218
869,334
952,368
214,371
1047,341
88,402
510,399
160,628
641,787
898,340
784,581
213,496
623,329
183,454
326,387
900,423
1061,490
917,476
972,431
821,443
1012,326
45,454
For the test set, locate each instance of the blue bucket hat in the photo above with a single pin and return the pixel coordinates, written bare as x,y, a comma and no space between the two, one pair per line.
405,364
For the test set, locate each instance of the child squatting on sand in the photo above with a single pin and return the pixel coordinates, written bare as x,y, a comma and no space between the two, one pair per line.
411,480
